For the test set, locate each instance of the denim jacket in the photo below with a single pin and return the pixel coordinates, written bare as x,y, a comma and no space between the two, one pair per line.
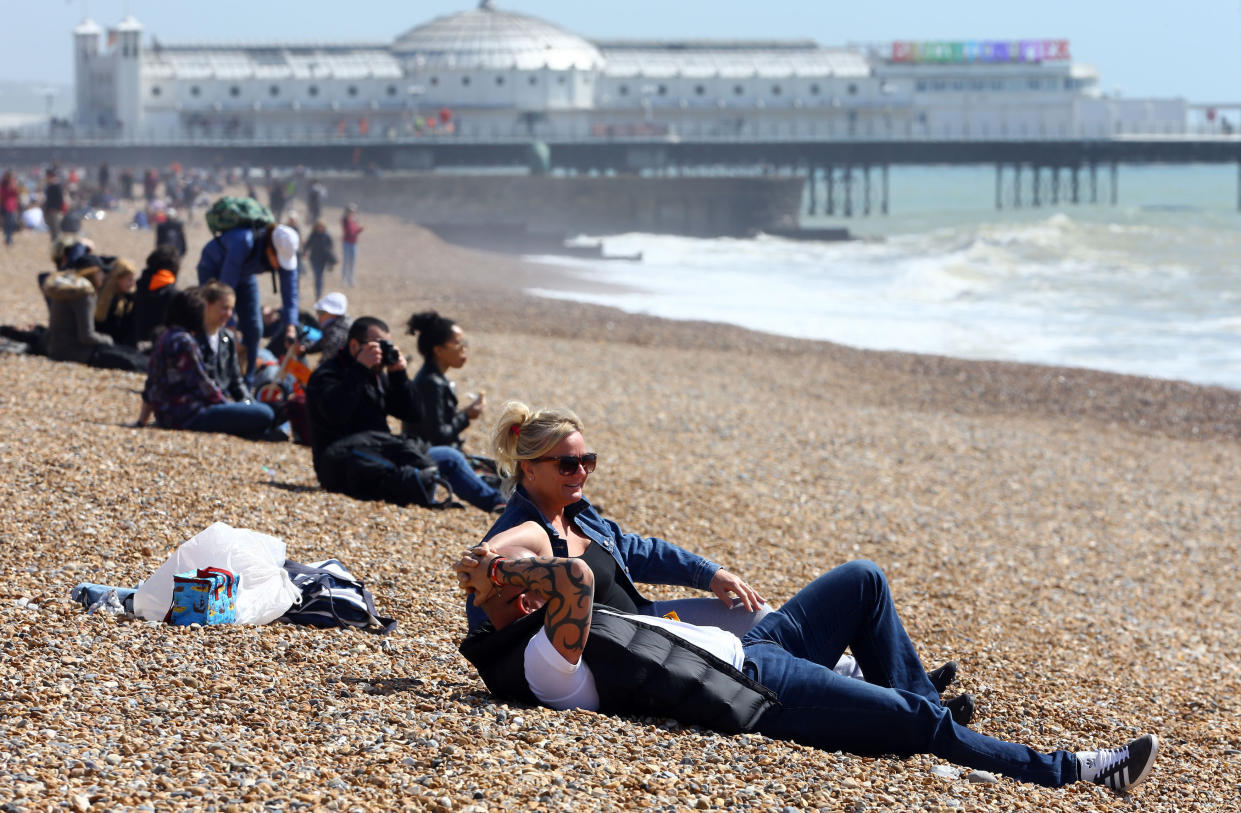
646,559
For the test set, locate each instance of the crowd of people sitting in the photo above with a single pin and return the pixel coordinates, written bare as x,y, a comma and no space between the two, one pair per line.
216,360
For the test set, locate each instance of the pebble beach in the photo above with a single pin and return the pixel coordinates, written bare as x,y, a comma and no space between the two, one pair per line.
1069,537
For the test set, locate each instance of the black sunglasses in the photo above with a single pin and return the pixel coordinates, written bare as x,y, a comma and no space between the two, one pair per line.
567,463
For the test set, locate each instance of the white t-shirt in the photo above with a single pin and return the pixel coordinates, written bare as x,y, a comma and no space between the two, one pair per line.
563,685
213,340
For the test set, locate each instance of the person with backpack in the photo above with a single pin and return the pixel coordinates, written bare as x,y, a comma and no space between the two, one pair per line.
349,398
248,243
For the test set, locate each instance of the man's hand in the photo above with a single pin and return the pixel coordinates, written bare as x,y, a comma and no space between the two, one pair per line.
370,355
725,584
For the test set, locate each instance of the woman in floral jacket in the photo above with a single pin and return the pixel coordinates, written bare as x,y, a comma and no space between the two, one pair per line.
180,392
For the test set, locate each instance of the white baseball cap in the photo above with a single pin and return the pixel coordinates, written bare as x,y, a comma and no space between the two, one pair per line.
286,242
334,303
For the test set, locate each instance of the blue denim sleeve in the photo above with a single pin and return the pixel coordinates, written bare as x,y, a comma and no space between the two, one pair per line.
652,560
289,296
237,245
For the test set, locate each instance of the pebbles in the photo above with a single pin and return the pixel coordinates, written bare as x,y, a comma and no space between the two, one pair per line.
1076,553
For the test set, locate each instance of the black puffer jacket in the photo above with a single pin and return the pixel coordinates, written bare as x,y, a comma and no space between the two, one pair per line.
344,398
439,422
639,669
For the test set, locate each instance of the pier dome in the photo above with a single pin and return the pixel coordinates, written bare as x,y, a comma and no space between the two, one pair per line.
486,38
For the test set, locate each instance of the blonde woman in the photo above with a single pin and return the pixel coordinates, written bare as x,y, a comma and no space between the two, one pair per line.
545,461
114,306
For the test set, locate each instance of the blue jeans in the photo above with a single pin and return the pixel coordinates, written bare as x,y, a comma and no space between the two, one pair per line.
465,483
349,258
249,315
245,420
318,268
702,611
10,226
895,710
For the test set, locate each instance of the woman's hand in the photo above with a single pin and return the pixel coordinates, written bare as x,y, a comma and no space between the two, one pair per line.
471,570
726,584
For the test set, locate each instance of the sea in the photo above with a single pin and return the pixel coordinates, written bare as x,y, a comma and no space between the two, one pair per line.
1150,286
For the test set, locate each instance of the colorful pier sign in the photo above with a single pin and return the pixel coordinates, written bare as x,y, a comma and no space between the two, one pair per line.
981,51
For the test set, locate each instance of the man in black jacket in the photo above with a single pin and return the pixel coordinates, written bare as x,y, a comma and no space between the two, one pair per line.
357,389
551,644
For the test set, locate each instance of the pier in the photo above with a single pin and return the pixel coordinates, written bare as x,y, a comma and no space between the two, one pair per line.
841,178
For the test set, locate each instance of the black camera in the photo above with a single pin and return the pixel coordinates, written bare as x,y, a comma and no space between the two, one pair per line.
389,355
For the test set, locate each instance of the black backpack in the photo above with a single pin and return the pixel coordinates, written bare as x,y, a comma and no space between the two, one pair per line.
377,465
331,597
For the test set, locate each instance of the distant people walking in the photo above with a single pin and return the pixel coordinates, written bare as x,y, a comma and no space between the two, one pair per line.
170,231
349,243
53,203
150,183
315,198
321,253
9,203
276,198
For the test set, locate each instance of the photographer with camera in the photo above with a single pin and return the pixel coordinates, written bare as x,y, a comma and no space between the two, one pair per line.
348,400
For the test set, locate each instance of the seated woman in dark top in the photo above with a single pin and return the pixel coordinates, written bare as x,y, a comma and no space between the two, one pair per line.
443,347
114,306
217,343
155,290
179,390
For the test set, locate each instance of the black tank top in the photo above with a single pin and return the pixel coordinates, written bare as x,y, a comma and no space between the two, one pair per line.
607,590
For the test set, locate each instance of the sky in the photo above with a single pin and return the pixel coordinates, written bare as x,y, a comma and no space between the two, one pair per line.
1141,48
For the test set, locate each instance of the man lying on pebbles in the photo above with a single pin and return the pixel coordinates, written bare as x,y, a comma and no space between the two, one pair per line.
550,643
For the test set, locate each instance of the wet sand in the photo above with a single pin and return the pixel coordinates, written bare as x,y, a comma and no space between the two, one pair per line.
1069,536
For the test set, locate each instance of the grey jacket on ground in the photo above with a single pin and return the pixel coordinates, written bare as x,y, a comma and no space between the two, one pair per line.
71,334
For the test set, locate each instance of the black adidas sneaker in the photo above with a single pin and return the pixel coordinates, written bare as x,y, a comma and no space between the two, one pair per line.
1119,768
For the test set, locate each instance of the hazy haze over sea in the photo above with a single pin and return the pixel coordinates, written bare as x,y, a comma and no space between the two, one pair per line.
1149,287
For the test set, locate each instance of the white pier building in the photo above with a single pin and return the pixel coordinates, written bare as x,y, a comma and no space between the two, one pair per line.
491,74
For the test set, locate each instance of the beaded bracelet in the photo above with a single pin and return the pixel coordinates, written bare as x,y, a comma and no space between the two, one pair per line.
491,570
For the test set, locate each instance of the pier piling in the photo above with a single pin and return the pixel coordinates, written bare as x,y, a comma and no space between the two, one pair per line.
884,205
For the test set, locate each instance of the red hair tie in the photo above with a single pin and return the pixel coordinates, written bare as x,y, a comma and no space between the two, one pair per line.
517,429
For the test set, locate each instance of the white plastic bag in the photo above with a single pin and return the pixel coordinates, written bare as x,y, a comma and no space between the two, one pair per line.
265,592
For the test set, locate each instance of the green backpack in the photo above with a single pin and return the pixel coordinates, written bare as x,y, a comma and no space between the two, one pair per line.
230,212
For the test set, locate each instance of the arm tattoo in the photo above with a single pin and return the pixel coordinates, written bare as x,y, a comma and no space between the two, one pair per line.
569,587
